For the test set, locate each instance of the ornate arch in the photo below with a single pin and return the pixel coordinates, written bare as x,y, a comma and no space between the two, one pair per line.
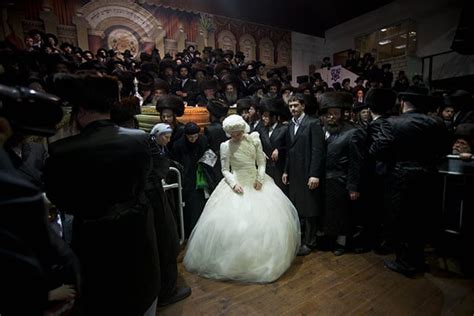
226,40
283,53
248,46
103,14
267,51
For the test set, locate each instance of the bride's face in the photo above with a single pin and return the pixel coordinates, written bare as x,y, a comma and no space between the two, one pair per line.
237,136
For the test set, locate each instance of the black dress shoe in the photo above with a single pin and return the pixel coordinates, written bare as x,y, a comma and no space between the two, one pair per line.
401,267
179,294
304,250
339,251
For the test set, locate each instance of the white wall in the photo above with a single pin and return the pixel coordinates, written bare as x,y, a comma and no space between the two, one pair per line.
306,50
436,22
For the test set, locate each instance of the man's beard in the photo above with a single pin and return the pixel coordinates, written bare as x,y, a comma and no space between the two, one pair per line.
231,97
332,129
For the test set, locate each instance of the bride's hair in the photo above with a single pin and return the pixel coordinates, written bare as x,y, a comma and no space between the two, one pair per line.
234,123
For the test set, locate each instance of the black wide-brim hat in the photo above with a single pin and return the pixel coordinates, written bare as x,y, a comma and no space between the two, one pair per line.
466,131
167,63
273,82
217,108
341,100
359,106
162,85
228,52
380,100
272,105
145,80
184,65
239,55
416,96
171,102
243,104
209,84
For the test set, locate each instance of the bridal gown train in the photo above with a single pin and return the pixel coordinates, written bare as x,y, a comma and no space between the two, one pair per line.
249,237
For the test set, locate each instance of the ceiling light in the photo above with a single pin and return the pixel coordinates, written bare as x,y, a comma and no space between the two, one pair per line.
401,46
385,42
383,30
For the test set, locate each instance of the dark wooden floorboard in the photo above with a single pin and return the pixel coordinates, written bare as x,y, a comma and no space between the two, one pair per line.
322,284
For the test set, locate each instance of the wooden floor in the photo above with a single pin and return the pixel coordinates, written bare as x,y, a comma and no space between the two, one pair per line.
322,284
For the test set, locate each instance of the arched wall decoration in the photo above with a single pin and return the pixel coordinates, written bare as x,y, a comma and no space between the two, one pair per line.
248,46
121,39
283,53
226,40
267,51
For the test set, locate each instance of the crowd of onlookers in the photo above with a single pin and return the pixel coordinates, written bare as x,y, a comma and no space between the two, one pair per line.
375,147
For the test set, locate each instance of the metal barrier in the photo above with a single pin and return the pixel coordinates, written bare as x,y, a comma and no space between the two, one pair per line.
178,185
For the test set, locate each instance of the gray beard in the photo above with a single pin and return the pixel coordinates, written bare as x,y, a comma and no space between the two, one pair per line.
231,97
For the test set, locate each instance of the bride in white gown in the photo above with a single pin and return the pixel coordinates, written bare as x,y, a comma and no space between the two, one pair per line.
249,230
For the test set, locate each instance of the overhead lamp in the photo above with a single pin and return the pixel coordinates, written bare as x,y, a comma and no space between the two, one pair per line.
385,42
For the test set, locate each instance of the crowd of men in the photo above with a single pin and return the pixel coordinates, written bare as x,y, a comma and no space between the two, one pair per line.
359,163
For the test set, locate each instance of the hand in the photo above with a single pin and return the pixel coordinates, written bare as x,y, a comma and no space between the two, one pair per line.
62,293
354,195
5,131
238,189
257,185
275,155
313,183
465,156
284,178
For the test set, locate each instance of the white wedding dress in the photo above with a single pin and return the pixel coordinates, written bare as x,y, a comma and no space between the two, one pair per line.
249,237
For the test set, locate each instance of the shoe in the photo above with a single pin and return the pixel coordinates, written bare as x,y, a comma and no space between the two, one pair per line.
179,294
400,267
304,250
339,251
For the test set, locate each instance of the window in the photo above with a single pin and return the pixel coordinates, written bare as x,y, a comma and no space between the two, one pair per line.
389,42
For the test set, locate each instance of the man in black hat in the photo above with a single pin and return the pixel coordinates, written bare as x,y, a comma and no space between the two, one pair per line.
346,85
343,172
259,73
326,63
273,136
228,57
171,107
463,104
209,90
464,139
243,107
146,84
186,88
217,109
412,148
387,76
167,70
239,59
99,177
401,83
230,93
273,87
304,169
243,80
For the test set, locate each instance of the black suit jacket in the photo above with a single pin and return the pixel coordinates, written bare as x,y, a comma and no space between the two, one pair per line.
305,158
269,143
190,87
99,176
215,136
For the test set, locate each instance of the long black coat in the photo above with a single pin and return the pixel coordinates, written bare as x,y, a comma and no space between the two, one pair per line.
269,143
344,165
190,87
99,177
305,159
216,136
411,144
188,155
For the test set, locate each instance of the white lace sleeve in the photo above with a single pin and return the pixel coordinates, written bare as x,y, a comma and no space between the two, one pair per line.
225,163
261,160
